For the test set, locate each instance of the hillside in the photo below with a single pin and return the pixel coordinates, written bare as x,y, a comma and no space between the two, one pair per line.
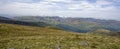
29,37
4,18
74,24
11,21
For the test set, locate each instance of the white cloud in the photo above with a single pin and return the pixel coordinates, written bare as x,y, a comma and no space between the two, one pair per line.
116,0
64,1
70,9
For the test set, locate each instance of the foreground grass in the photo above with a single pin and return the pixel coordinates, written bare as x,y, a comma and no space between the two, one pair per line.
28,37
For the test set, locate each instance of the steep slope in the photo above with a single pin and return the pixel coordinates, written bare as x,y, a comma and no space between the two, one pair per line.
75,24
28,37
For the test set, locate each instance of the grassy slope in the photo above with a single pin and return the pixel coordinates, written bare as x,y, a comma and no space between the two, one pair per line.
28,37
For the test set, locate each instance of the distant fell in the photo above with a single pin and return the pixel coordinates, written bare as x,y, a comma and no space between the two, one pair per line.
74,24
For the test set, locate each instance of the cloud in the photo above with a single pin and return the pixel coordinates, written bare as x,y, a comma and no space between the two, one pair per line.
71,8
116,1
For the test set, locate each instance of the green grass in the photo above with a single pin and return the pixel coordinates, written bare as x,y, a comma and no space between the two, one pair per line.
28,37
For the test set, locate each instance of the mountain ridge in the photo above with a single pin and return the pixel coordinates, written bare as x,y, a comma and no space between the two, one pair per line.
74,24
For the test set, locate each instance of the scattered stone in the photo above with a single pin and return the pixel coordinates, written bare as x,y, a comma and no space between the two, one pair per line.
85,43
57,46
11,48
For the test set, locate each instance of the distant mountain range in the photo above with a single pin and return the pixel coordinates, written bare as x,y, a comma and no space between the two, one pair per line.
74,24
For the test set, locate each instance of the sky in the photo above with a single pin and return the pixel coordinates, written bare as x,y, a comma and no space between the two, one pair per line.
100,9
